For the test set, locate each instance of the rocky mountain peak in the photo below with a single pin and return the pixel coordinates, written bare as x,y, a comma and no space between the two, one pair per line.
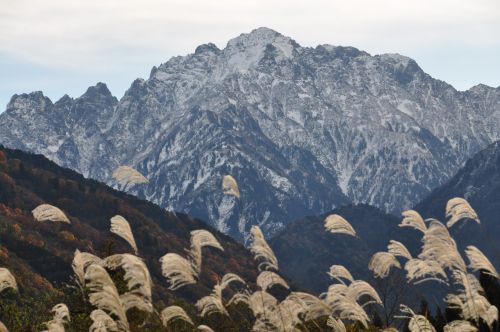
302,130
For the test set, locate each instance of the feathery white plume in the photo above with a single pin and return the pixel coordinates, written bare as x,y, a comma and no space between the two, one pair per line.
262,251
314,307
204,328
412,218
127,174
201,238
240,297
339,272
267,279
136,273
102,322
419,270
478,261
121,227
336,324
47,212
178,270
469,300
381,264
3,328
229,278
418,323
457,209
290,313
81,261
61,312
54,326
459,326
172,313
7,280
439,246
338,225
104,295
359,288
230,186
211,304
398,249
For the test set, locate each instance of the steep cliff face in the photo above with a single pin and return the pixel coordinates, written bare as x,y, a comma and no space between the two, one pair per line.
303,130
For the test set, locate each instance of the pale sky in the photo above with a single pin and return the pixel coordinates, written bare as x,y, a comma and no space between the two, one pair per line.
64,46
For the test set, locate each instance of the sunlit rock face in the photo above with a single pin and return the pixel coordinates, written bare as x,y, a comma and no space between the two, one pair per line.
302,130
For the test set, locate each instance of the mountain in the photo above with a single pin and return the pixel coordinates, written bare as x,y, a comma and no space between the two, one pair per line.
39,254
306,250
303,130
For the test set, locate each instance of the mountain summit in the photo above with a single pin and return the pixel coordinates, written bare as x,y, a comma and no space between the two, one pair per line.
302,130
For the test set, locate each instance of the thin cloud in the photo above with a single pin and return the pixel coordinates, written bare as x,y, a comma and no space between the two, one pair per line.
104,37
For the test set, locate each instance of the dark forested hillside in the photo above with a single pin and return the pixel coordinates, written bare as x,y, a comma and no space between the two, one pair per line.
478,182
306,250
39,254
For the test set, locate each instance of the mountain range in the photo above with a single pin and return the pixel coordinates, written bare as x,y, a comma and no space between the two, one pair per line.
303,130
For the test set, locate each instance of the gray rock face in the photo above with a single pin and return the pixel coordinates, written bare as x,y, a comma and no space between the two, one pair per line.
302,130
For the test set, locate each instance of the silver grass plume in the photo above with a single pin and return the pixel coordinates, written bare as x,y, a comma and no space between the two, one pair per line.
201,238
439,246
338,225
121,227
459,326
204,328
226,280
336,324
173,313
102,322
359,288
418,323
229,278
339,272
178,270
54,326
128,175
240,297
3,328
267,279
398,249
61,312
211,304
313,306
7,280
81,261
412,218
457,209
381,263
264,308
136,275
60,316
478,261
230,186
290,315
418,270
344,300
469,300
47,212
104,295
262,251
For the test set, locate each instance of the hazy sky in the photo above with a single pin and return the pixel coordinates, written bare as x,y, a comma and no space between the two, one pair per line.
64,46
